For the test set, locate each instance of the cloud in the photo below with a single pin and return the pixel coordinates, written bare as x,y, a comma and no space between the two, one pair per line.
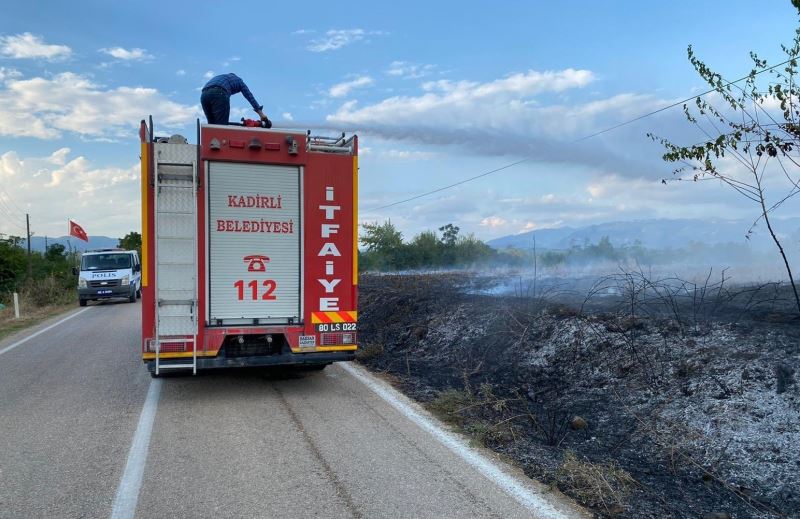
180,72
9,73
122,54
531,198
45,107
408,70
445,100
31,46
58,186
342,89
598,189
209,74
528,114
493,221
232,59
287,116
337,38
408,154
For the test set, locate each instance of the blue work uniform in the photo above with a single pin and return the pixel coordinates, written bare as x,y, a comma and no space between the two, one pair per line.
216,97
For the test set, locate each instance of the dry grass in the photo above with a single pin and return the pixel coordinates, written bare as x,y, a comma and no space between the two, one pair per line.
38,301
9,325
368,350
605,486
449,404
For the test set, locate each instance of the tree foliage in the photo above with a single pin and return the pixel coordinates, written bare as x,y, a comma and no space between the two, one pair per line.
751,130
381,237
385,249
131,241
449,234
54,264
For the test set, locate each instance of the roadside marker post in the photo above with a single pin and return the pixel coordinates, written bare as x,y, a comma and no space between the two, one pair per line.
16,306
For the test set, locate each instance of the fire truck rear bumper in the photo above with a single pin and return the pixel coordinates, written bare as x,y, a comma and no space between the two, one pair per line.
284,359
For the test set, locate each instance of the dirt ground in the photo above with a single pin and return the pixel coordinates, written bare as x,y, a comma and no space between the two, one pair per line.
639,397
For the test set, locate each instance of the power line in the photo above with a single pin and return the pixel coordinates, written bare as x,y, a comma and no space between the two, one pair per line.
585,137
8,209
452,185
11,218
10,201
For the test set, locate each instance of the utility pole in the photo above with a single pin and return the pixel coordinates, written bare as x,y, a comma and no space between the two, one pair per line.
28,226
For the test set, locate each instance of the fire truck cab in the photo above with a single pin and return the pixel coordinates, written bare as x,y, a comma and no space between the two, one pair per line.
249,251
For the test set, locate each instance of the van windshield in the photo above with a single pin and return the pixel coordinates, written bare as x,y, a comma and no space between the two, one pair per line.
106,262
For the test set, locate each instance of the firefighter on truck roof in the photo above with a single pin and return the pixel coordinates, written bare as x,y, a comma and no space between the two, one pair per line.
216,98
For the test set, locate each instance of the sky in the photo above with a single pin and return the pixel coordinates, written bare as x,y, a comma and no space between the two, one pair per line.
437,92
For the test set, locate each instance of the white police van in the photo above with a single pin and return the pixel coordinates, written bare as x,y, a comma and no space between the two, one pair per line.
109,273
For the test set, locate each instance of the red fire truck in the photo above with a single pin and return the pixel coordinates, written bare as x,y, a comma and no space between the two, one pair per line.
249,251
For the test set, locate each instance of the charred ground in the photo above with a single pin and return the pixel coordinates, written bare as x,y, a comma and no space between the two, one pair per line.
644,398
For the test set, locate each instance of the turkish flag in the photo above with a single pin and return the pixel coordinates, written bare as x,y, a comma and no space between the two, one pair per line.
77,231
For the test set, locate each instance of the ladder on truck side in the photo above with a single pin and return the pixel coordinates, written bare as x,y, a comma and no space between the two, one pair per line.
175,223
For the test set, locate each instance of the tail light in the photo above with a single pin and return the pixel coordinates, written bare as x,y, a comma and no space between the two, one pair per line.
337,339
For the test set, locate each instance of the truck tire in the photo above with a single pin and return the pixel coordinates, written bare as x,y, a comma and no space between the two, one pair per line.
139,293
82,302
132,298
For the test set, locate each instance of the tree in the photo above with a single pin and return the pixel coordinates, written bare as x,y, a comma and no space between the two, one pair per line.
381,238
13,260
426,250
469,250
131,241
55,253
751,137
449,234
384,245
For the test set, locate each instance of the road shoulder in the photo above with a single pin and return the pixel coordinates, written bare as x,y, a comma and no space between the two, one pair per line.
539,499
12,331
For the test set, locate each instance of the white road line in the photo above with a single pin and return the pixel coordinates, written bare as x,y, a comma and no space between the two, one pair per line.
128,490
525,496
29,337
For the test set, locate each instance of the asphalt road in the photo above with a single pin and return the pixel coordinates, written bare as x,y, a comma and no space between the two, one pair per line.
251,443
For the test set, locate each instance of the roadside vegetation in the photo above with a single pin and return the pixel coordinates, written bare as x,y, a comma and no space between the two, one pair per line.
385,249
43,281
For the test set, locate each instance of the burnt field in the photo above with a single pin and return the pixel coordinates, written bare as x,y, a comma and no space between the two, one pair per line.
639,397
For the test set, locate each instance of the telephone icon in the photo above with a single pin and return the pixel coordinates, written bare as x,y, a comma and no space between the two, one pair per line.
256,263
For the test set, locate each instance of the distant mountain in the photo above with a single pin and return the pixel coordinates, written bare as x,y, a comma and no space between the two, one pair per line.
95,242
652,234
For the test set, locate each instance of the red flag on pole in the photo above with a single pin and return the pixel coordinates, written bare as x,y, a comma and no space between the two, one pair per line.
77,231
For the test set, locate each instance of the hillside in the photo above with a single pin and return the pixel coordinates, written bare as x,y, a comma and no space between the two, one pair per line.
653,234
